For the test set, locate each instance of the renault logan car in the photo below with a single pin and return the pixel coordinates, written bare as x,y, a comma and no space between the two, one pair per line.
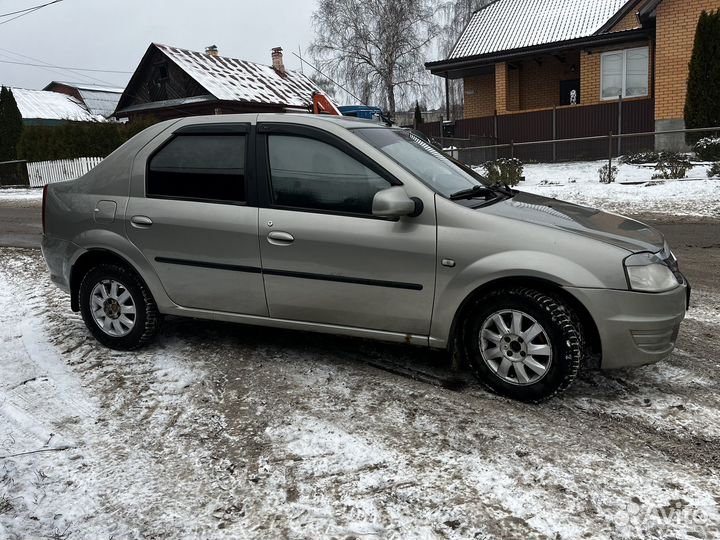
344,226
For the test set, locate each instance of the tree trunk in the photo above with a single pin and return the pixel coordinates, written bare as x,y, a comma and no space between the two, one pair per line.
390,89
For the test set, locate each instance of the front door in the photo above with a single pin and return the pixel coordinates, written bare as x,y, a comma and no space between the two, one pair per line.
193,222
325,257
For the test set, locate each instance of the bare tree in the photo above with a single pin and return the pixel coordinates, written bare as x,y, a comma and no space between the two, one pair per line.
375,47
452,18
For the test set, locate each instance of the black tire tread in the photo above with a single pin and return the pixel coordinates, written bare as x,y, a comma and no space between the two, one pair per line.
153,317
559,313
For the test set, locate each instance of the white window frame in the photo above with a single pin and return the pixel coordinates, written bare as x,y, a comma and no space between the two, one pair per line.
624,72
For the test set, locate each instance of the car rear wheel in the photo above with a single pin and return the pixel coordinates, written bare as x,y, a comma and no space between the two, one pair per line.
117,307
523,344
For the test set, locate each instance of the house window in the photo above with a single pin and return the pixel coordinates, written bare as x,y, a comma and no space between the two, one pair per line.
625,73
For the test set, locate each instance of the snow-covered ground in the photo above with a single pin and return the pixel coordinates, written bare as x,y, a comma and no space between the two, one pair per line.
18,196
225,431
578,182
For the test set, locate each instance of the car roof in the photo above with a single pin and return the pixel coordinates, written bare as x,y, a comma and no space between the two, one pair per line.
347,122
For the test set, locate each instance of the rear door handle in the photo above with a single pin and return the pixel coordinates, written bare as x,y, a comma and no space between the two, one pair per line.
141,222
280,238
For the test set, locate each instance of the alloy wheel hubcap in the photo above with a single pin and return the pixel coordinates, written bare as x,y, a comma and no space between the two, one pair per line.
515,347
113,308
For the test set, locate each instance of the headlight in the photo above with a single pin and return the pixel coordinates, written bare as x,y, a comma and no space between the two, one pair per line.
646,272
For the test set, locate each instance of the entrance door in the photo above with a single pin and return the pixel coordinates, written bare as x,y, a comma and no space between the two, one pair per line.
570,92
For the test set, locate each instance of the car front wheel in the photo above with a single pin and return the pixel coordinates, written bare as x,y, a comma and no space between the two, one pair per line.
117,307
523,344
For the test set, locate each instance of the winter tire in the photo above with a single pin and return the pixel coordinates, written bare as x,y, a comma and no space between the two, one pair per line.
523,344
117,307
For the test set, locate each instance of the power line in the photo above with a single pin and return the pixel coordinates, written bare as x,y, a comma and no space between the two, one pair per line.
49,67
302,60
34,8
69,68
29,11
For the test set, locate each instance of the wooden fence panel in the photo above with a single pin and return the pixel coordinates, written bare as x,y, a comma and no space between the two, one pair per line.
41,173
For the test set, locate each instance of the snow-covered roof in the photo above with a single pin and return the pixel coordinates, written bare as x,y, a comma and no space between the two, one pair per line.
230,79
505,25
100,100
44,105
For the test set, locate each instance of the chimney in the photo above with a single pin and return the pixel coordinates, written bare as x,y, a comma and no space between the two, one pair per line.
277,61
212,50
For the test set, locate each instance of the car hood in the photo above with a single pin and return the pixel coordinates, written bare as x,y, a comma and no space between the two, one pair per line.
603,226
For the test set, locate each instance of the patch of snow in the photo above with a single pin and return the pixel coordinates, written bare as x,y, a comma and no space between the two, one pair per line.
578,182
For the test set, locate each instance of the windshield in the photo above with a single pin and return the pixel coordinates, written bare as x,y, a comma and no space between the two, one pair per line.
438,171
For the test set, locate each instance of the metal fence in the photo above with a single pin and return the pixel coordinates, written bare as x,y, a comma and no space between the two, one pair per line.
599,147
41,173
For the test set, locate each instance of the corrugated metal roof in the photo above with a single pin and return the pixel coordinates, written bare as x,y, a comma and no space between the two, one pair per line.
506,25
43,105
100,100
238,80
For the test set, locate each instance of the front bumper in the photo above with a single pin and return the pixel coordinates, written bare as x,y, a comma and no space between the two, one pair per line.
635,328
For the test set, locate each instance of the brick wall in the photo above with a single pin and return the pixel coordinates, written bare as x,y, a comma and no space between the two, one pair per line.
590,70
675,35
479,96
540,82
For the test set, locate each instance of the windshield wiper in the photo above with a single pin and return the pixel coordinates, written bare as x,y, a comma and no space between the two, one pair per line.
470,193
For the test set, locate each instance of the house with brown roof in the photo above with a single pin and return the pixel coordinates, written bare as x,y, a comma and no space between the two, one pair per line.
171,82
518,56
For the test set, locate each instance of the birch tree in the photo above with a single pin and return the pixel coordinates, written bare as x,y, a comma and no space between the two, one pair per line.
377,48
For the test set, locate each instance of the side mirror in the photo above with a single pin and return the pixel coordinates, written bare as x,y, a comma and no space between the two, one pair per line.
394,202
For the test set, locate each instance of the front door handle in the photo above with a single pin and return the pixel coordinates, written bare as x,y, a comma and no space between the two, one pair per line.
280,238
141,222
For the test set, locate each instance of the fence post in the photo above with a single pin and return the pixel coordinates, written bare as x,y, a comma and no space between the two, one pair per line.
610,152
554,133
512,148
620,130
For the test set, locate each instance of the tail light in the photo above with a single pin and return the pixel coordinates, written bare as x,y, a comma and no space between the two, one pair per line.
45,189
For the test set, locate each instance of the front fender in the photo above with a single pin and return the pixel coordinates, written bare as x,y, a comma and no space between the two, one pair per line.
455,285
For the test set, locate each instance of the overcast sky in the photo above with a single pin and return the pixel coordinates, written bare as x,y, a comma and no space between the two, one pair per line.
114,34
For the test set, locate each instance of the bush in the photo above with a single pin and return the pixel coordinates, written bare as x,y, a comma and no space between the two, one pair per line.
714,170
76,139
640,157
608,174
504,171
708,149
672,165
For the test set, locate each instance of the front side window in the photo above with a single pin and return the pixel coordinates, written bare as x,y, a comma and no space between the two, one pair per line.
625,73
312,175
419,157
199,167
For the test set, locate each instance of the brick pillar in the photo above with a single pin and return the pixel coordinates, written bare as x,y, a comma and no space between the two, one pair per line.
501,86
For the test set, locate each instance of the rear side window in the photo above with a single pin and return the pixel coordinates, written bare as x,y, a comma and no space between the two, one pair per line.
311,175
199,167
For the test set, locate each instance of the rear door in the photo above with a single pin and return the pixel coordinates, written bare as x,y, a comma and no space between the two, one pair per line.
325,257
195,219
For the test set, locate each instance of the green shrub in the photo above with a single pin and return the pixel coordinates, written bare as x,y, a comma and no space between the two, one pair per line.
608,174
708,149
714,170
76,139
640,157
672,165
504,171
